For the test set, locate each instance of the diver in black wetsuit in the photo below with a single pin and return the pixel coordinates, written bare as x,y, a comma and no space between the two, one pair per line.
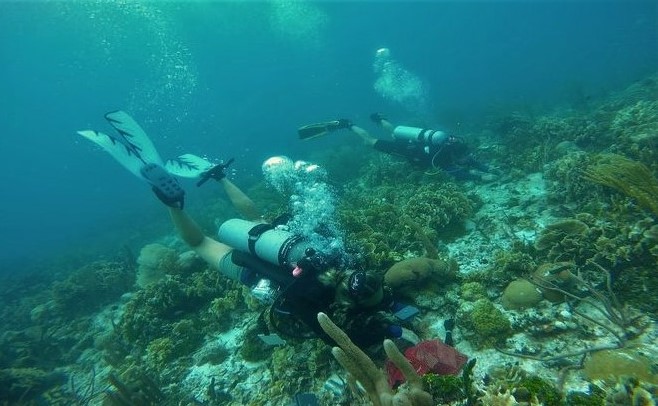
423,148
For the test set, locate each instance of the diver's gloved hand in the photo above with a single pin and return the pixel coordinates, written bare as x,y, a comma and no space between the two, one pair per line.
165,186
403,334
217,172
377,118
339,124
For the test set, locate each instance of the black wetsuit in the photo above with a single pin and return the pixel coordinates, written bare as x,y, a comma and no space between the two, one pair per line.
450,156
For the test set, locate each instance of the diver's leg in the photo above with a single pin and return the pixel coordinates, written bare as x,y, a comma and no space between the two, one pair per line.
217,255
368,139
387,126
208,249
240,200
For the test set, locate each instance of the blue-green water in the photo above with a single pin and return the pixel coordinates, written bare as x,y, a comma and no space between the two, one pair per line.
235,79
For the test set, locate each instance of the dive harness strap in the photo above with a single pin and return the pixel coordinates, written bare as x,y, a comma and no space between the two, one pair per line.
255,233
258,230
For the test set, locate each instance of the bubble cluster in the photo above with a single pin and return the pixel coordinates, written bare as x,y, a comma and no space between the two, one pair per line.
298,21
140,40
312,202
395,83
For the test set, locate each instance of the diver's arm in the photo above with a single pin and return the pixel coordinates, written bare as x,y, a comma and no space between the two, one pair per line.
208,249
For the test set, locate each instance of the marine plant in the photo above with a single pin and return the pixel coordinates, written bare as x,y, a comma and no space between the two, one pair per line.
538,388
594,397
450,388
632,178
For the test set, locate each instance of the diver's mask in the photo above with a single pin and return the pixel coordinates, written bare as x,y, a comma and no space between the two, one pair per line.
365,288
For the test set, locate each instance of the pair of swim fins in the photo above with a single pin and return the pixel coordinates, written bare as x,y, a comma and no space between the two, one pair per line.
134,150
316,130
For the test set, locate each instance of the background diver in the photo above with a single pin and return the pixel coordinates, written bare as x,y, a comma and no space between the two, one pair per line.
423,148
258,254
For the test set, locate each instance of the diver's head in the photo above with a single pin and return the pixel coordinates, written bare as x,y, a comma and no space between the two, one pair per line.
365,288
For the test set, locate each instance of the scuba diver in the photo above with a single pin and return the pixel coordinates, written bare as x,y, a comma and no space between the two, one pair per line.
423,148
281,267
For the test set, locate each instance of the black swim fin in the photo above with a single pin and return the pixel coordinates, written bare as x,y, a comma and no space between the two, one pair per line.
310,131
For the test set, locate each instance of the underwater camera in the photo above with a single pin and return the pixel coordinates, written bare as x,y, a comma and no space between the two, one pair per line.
420,135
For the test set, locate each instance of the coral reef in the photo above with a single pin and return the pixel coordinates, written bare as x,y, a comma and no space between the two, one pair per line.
154,262
386,224
629,177
359,365
411,274
90,287
483,323
614,364
520,294
160,309
580,232
20,385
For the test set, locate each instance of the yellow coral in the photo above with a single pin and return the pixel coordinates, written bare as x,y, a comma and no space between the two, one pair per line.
630,177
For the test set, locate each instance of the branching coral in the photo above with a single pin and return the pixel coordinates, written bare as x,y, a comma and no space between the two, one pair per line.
438,207
152,312
619,320
602,310
388,223
357,363
90,287
629,177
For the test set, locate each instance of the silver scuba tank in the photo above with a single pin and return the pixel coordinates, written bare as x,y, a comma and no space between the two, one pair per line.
420,135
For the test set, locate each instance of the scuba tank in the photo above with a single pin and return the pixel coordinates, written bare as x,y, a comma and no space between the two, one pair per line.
420,135
266,242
